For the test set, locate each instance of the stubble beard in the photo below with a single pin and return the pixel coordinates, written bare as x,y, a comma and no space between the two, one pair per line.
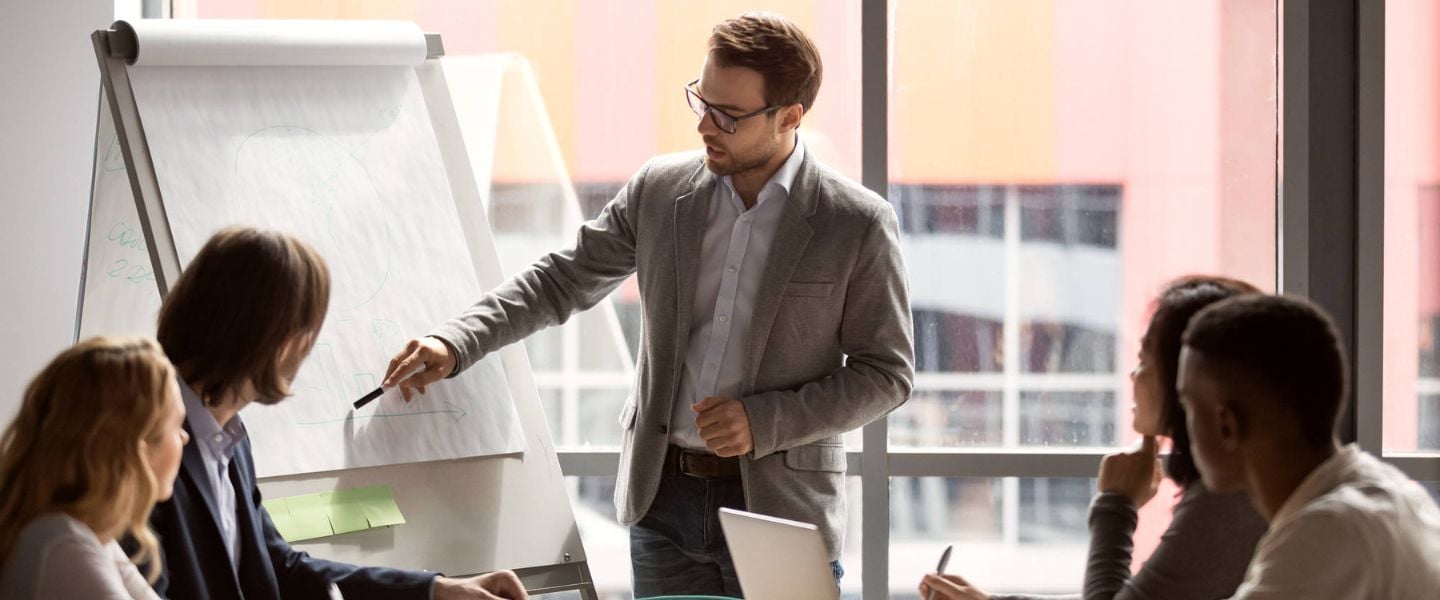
742,163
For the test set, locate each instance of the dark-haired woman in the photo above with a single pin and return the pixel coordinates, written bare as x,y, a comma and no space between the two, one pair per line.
1206,549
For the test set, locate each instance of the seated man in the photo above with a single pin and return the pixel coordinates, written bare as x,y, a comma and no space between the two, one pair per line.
1263,383
237,325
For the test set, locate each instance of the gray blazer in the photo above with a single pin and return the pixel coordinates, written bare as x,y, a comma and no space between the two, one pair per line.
830,345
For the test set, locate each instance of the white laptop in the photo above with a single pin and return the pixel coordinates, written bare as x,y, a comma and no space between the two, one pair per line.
778,559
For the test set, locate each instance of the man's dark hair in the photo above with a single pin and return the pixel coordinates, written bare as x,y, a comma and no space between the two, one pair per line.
1286,345
777,49
242,298
1180,301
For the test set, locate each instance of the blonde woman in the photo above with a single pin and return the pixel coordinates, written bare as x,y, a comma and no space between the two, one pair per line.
96,444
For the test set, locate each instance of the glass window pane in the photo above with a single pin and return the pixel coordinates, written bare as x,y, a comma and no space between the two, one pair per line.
1011,535
946,342
948,418
597,417
1412,226
1067,418
607,543
1053,165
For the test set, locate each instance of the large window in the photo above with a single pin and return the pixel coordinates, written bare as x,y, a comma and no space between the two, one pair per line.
1054,164
1412,226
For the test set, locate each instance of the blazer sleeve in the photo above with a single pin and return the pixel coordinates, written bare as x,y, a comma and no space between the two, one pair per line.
557,286
876,337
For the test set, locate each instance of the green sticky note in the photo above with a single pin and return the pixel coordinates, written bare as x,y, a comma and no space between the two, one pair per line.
347,512
329,513
311,515
280,515
379,506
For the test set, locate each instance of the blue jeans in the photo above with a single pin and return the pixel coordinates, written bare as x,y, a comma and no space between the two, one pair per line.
679,548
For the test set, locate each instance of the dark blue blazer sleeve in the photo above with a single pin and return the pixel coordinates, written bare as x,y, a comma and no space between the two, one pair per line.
295,571
196,565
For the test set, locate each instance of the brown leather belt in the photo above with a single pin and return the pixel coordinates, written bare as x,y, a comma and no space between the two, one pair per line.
701,465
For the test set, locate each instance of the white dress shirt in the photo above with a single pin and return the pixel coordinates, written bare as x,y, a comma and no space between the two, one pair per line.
217,448
732,260
1355,528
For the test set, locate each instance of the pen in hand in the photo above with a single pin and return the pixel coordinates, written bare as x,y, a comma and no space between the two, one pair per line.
940,569
367,398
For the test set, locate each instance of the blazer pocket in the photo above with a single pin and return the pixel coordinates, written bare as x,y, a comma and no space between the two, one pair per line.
828,458
627,414
813,290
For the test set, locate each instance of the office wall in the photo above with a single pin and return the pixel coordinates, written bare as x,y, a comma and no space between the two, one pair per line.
48,96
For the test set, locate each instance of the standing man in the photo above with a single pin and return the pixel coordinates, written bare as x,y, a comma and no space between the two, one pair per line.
776,316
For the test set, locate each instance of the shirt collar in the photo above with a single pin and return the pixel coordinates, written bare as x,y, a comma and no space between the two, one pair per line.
1319,482
220,440
783,177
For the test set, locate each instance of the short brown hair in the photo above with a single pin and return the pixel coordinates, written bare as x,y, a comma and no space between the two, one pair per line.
775,47
245,295
1287,345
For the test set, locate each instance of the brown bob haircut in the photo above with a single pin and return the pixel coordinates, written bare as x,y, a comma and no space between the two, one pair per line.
1181,300
773,46
244,296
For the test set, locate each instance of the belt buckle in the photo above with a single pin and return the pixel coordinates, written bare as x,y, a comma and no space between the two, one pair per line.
684,465
699,466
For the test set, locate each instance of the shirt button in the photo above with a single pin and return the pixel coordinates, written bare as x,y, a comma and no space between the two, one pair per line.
745,218
219,438
732,268
724,318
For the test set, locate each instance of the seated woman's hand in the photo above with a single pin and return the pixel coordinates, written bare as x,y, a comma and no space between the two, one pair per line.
1135,474
950,587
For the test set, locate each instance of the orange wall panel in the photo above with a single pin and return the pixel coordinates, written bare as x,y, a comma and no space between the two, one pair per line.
543,31
973,86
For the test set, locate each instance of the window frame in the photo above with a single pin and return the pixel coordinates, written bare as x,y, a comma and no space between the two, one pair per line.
1365,64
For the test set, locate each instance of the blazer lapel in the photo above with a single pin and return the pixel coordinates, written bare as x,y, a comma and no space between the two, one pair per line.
791,238
194,466
692,211
256,573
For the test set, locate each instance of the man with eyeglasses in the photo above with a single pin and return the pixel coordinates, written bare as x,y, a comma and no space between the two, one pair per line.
776,316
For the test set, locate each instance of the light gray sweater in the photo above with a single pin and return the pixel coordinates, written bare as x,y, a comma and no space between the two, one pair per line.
56,556
1202,555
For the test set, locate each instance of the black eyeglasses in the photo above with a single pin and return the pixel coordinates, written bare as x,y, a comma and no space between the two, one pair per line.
725,121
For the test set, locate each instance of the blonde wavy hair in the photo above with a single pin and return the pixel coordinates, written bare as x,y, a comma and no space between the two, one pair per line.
78,444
